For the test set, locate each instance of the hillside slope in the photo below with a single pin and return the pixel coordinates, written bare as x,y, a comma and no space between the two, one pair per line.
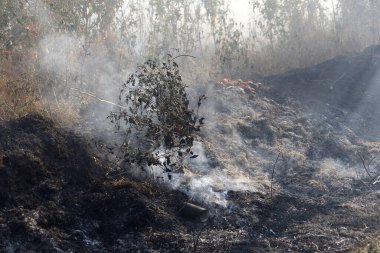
286,168
346,87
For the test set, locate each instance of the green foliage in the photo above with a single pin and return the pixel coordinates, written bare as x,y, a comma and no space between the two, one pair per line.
160,126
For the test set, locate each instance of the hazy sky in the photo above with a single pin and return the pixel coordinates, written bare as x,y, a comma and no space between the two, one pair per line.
241,10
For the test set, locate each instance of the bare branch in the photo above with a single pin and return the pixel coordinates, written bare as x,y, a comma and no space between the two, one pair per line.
271,181
97,98
365,167
183,55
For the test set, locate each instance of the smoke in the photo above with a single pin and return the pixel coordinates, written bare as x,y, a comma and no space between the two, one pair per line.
208,185
40,11
335,168
91,69
60,54
83,71
364,118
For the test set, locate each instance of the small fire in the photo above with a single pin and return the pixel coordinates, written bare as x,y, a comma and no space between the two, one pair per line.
247,85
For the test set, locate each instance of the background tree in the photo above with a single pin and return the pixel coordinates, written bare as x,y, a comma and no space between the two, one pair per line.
280,35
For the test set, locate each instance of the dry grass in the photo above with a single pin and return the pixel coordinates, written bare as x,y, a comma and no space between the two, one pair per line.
64,112
20,93
143,187
371,247
17,94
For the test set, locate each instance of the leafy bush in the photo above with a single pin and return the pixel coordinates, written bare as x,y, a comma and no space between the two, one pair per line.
156,118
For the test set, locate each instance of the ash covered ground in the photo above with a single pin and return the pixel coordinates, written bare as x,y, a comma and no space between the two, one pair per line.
291,167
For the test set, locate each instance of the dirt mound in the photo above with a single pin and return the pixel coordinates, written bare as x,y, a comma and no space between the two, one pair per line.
39,159
54,196
341,81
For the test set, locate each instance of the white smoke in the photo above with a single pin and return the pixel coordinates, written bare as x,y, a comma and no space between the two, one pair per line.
78,66
208,185
60,54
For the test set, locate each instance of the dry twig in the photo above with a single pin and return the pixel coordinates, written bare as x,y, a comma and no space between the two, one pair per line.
367,166
272,177
97,98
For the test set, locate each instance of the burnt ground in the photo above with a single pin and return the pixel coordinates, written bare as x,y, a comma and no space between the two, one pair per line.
345,87
57,195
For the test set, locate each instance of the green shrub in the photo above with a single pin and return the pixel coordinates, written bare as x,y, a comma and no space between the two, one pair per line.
157,120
